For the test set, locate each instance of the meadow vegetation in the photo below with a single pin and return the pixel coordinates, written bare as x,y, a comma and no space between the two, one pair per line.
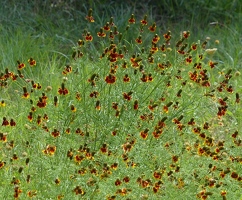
111,102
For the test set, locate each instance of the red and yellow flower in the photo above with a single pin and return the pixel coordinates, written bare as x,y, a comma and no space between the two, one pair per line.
132,19
89,17
32,62
20,65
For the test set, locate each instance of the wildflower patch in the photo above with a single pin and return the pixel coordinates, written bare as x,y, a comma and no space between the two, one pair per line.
149,117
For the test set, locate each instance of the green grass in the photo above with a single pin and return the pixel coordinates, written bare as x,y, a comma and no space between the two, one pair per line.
52,42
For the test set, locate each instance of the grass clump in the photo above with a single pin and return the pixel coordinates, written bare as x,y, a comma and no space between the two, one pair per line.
134,111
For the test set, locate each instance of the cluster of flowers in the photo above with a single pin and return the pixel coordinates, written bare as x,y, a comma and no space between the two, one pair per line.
156,117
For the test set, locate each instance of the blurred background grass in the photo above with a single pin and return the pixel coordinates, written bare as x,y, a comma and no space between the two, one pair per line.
60,23
202,11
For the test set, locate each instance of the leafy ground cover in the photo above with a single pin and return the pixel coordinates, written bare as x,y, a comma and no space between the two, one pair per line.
123,109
